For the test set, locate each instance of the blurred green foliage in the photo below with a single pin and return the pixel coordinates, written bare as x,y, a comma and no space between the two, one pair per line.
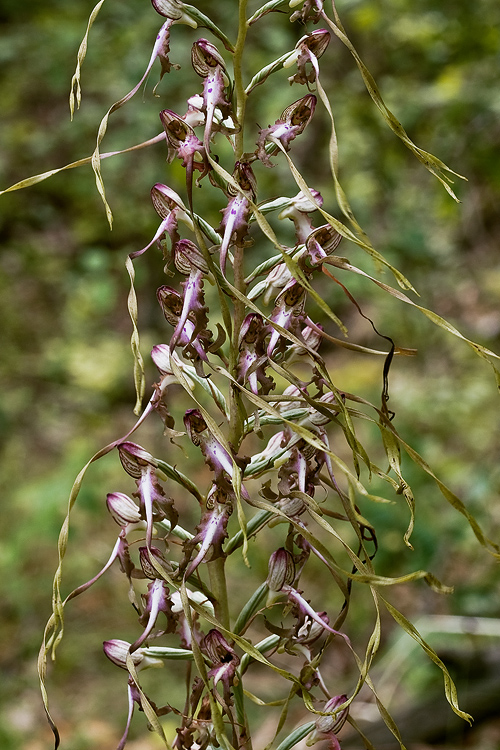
66,370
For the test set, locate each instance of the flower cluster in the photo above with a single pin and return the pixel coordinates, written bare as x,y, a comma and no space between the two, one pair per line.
259,405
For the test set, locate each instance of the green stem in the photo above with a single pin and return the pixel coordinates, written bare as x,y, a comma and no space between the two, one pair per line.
218,587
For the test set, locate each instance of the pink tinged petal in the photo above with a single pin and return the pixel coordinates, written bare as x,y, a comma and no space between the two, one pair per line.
327,726
174,10
160,354
157,49
117,651
165,200
159,233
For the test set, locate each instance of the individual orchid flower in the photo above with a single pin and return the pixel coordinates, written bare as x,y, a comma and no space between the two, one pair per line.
276,280
316,418
183,142
193,334
307,50
189,631
298,479
211,531
281,573
157,600
279,581
275,453
224,661
170,208
124,510
292,122
127,515
321,243
117,651
197,730
252,355
141,465
297,211
312,338
216,456
234,224
189,261
328,726
209,64
289,312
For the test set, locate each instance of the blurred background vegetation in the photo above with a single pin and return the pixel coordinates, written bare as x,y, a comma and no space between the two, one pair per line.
65,366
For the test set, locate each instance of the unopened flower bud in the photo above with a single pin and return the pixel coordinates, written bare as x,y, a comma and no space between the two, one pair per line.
122,508
117,651
174,9
281,570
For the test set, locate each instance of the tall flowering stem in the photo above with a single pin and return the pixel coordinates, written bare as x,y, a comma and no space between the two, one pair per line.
281,473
